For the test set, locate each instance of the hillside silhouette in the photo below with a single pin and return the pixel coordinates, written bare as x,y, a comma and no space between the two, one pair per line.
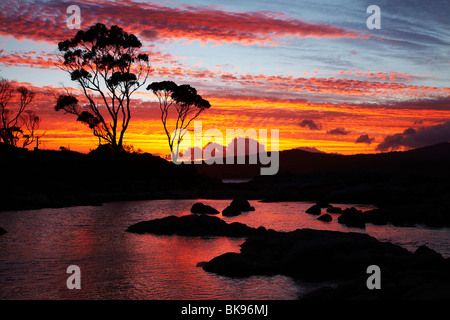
46,178
430,161
407,187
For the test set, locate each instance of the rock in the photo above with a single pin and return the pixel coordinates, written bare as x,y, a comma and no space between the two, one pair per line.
334,210
241,204
236,207
236,265
325,217
230,212
307,254
352,217
203,209
194,225
315,209
2,231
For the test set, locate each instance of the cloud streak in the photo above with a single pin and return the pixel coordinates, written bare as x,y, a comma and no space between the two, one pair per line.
154,21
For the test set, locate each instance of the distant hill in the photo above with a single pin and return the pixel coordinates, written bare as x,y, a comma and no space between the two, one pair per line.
430,160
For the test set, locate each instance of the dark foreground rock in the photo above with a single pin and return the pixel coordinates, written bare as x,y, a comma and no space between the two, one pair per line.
314,255
236,207
2,231
315,209
352,217
194,225
325,218
203,209
230,212
334,210
402,214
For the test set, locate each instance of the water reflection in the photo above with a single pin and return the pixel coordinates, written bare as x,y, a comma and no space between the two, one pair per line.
114,264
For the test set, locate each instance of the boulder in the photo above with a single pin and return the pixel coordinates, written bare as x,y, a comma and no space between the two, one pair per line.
2,231
230,212
334,210
325,217
203,209
236,207
315,209
241,204
352,217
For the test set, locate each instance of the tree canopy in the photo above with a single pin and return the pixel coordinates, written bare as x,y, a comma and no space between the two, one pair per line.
107,65
187,105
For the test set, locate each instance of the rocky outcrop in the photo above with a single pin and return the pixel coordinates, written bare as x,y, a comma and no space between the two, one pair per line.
236,207
352,217
334,210
194,225
315,209
314,255
325,217
201,208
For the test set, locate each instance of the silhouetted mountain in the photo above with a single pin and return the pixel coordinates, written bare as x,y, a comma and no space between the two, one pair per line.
431,160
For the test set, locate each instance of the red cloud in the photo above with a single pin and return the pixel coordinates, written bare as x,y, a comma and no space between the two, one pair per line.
46,21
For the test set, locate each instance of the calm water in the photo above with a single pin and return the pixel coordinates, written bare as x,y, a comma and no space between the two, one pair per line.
41,244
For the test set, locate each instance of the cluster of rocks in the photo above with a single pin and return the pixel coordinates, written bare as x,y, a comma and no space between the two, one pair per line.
236,207
351,217
315,256
401,214
317,210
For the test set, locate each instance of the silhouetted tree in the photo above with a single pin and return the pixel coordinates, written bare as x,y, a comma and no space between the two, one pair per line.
186,104
18,123
108,67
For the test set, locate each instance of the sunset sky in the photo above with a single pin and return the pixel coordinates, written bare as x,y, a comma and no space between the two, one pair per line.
311,69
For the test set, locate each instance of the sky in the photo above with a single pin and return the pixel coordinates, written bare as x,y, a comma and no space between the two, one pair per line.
314,70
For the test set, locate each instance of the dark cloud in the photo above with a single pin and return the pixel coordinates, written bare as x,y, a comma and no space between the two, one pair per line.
416,138
310,124
364,139
150,34
338,131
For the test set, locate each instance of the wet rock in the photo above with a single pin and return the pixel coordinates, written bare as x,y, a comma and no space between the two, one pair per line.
325,217
334,210
236,207
241,204
352,217
203,209
315,209
230,212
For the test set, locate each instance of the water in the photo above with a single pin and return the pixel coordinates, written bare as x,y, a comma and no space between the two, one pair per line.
41,244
